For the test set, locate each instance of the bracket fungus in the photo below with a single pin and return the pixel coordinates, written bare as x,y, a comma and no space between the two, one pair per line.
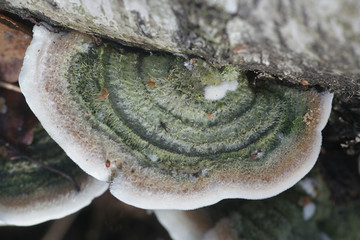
140,121
31,194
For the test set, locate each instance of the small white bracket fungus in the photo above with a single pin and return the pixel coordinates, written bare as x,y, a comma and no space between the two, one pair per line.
146,114
30,211
31,193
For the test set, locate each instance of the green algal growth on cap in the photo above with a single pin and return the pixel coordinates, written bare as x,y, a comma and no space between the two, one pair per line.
31,194
146,122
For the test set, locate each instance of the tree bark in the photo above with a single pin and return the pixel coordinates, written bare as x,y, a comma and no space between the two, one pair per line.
299,41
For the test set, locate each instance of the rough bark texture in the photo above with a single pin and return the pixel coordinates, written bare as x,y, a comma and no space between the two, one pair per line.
318,42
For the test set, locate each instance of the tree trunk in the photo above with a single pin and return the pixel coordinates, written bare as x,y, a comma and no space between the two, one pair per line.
299,41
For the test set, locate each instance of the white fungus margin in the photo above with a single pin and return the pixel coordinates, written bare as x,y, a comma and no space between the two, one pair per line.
92,160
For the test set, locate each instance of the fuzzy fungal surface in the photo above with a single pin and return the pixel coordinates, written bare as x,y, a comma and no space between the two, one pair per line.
143,122
31,193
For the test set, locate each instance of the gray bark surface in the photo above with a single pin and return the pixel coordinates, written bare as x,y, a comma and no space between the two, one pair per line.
293,40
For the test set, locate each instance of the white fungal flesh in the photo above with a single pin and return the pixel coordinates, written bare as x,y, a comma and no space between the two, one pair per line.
217,92
59,206
153,157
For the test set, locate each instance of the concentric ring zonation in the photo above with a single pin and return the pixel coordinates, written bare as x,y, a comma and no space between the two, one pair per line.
156,106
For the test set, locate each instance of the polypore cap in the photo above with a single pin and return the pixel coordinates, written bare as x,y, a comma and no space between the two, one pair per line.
141,121
31,193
